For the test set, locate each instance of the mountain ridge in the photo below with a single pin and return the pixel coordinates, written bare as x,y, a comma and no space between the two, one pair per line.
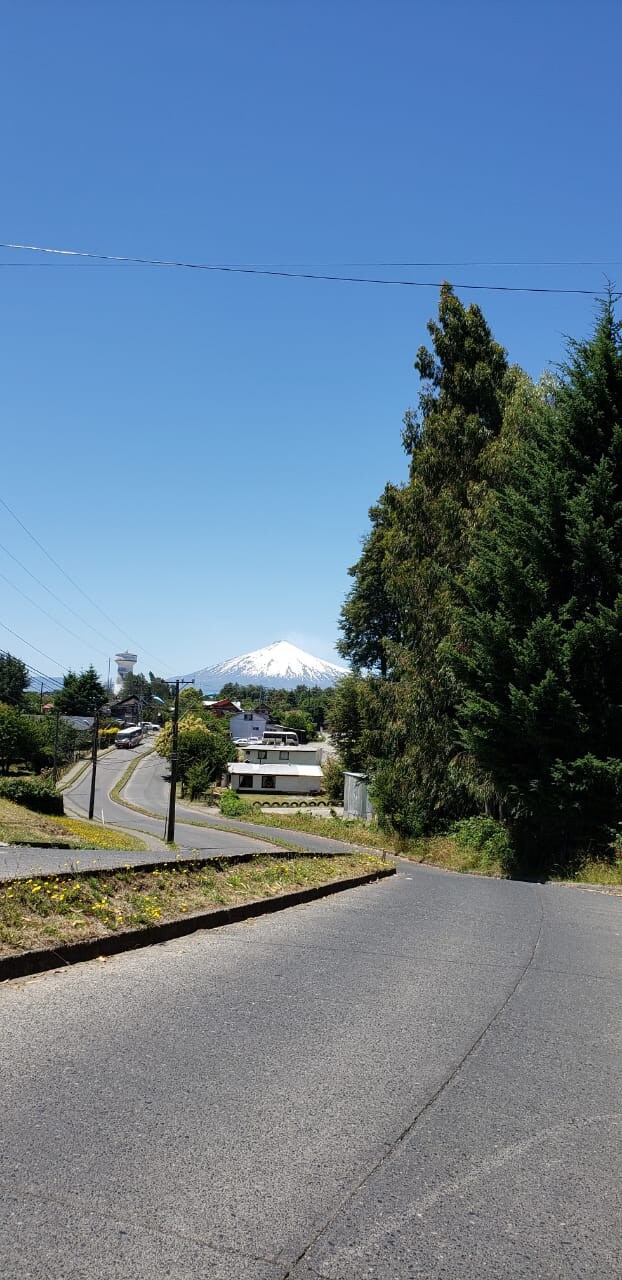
279,665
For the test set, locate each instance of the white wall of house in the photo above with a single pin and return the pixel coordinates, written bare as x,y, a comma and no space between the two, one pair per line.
249,778
262,754
247,724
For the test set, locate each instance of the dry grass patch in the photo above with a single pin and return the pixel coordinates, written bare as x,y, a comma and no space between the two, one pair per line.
42,911
19,825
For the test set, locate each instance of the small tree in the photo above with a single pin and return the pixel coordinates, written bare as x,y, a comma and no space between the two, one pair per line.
333,780
199,743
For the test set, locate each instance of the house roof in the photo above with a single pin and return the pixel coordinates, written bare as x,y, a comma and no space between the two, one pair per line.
79,722
275,767
223,703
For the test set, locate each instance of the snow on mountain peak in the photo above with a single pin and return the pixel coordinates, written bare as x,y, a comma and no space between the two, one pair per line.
280,665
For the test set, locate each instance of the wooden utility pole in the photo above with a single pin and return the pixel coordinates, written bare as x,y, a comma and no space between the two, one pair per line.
94,760
170,825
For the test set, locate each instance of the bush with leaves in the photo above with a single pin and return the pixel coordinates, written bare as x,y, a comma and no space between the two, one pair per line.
333,780
232,805
33,793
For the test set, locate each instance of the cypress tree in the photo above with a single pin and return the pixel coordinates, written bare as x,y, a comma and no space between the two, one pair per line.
369,617
539,653
453,445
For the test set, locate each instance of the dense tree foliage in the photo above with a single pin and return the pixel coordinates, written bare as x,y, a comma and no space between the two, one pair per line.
203,750
82,694
370,617
14,680
420,548
486,606
540,653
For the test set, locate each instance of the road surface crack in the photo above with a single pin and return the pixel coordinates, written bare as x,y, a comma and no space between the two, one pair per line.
410,1127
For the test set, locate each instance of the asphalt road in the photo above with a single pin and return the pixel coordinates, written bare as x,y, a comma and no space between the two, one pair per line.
415,1079
148,788
110,769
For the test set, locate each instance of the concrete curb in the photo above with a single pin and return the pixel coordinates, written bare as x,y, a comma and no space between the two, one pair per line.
31,962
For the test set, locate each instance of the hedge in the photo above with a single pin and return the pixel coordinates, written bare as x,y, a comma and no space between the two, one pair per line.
33,793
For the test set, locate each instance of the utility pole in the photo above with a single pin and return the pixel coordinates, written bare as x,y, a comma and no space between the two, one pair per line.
94,760
41,699
170,826
55,766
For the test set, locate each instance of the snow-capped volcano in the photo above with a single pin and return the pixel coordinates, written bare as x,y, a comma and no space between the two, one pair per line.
279,666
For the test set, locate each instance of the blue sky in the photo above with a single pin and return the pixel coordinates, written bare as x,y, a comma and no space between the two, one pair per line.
199,451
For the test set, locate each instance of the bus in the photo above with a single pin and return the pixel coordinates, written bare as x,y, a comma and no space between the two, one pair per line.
129,737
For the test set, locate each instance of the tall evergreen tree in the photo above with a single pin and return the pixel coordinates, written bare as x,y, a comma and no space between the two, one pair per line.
369,616
540,644
81,694
452,441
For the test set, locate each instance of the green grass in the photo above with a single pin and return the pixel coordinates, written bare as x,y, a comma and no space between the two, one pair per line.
44,911
115,793
469,848
19,825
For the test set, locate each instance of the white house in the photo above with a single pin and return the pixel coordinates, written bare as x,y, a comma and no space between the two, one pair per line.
263,753
295,779
247,724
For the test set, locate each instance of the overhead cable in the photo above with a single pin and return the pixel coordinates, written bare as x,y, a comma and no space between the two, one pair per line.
74,584
56,621
32,646
289,275
57,598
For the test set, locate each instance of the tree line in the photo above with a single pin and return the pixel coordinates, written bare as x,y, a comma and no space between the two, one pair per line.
484,620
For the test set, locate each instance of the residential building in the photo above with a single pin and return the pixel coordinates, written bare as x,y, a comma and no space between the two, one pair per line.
247,724
292,779
267,753
222,707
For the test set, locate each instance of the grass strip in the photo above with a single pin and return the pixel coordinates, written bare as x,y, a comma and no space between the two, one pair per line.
19,825
115,792
436,851
47,911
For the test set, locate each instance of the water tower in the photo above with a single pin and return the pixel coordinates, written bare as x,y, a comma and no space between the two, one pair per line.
125,667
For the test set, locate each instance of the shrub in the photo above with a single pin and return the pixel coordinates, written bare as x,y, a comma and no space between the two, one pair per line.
232,805
33,793
199,779
333,780
485,837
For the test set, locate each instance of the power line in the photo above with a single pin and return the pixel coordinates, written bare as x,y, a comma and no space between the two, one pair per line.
74,584
32,671
57,598
291,275
32,646
289,266
56,621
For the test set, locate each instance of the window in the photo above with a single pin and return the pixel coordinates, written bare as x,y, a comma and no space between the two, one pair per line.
268,782
248,716
262,755
283,755
246,780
